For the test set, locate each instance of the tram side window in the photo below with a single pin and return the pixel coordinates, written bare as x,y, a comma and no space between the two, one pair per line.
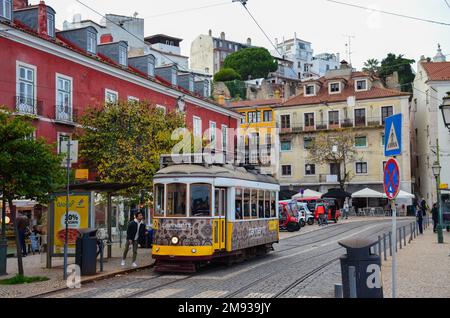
246,203
159,199
200,200
273,211
254,204
266,204
176,199
260,204
238,204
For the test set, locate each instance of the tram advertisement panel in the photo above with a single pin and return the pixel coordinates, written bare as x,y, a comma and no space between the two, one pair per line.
254,233
190,232
78,217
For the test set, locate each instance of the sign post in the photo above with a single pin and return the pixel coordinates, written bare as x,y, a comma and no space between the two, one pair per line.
391,180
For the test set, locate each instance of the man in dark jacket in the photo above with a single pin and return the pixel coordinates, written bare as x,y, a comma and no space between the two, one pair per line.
435,216
23,231
135,234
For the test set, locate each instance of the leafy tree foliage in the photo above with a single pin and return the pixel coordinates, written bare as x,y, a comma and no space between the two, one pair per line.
400,64
123,142
371,66
251,63
29,168
337,148
225,75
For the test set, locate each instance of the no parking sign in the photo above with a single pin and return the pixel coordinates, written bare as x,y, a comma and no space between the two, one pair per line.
391,179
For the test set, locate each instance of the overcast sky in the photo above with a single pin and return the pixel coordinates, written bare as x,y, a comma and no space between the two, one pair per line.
320,22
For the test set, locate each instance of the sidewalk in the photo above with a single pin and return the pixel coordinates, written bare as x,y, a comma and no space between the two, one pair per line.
34,265
423,268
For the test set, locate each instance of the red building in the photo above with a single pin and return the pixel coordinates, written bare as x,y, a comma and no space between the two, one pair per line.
56,75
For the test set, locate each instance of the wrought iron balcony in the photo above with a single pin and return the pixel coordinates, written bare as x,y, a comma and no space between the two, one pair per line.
28,106
65,114
331,125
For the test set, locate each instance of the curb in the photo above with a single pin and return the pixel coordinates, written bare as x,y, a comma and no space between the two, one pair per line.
96,278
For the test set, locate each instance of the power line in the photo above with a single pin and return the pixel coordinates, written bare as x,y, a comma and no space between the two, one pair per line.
389,13
186,10
447,3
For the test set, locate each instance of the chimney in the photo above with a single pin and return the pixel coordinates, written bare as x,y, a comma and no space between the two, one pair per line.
106,38
222,35
210,32
42,19
249,41
20,4
344,65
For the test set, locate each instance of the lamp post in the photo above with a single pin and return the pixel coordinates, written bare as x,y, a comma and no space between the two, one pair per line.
437,174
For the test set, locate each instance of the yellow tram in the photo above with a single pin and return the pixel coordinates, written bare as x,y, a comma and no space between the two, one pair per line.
204,213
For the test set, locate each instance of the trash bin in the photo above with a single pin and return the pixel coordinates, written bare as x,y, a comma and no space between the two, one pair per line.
361,270
86,251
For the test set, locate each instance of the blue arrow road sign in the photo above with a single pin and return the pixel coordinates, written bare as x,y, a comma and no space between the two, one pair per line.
393,136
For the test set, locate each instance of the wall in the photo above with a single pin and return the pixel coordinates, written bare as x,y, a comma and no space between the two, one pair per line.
201,56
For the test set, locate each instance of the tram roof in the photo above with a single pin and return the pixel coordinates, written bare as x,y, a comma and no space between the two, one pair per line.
213,171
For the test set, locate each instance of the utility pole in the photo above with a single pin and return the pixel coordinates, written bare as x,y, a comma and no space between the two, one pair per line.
349,47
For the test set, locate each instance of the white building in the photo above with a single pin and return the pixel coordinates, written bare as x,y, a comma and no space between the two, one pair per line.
431,84
166,50
324,62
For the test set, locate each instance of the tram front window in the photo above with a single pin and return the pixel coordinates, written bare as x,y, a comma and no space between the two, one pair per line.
159,200
176,200
200,200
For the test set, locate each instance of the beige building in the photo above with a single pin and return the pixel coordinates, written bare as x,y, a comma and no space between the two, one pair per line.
342,101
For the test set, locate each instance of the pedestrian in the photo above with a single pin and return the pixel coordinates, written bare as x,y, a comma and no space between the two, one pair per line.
435,216
327,211
346,208
320,213
419,217
23,232
135,235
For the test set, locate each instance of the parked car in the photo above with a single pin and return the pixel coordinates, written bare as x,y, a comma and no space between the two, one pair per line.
298,209
334,212
287,219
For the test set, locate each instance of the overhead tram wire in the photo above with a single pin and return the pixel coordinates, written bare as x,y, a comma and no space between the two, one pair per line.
447,3
389,13
187,10
138,38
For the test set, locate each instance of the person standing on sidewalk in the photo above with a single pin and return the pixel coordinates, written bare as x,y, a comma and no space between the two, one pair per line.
23,231
135,234
320,212
419,216
435,216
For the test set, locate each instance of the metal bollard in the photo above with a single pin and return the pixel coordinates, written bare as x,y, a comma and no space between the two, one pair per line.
414,229
390,243
384,245
404,235
400,237
338,291
379,246
410,233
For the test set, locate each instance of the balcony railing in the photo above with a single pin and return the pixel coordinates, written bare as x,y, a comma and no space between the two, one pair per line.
331,125
64,113
27,105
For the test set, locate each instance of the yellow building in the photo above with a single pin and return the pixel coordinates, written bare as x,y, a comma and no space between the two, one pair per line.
258,128
346,102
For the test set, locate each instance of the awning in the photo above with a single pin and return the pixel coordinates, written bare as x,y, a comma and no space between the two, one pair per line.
367,193
308,194
337,194
403,195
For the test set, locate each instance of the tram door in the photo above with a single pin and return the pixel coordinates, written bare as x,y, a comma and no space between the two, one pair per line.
220,223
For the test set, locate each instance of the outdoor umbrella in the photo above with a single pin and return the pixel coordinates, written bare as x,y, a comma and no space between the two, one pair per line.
307,194
367,193
402,195
337,194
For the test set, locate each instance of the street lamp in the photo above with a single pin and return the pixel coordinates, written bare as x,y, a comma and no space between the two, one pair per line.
437,174
445,109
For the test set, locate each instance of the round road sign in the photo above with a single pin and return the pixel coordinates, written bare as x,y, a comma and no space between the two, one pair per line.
391,179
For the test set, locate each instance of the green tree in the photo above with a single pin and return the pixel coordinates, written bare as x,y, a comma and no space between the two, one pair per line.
29,168
225,75
371,66
336,148
251,62
393,63
123,142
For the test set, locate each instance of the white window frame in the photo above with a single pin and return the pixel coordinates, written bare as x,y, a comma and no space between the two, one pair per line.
310,164
354,116
366,145
361,80
332,83
286,175
91,42
7,9
196,131
381,112
70,106
314,90
314,119
110,91
51,25
339,117
224,137
123,55
163,108
133,99
361,174
20,64
212,132
290,121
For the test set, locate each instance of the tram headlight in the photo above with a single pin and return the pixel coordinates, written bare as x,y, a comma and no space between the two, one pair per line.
194,250
175,240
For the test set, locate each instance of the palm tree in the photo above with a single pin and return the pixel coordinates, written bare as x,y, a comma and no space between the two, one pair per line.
372,66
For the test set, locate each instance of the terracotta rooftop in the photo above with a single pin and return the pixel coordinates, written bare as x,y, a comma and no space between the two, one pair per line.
259,102
437,71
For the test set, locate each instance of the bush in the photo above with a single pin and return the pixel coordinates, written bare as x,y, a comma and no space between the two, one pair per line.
237,89
225,75
20,279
